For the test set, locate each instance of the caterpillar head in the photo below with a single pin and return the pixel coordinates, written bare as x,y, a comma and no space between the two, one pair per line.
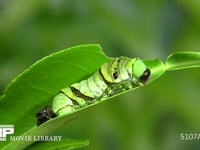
140,71
124,69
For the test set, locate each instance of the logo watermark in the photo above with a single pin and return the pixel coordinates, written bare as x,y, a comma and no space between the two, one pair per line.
5,130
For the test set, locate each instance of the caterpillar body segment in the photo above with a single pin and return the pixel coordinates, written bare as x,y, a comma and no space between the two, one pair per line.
111,78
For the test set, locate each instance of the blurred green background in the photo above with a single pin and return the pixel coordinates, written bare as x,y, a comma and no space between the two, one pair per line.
150,118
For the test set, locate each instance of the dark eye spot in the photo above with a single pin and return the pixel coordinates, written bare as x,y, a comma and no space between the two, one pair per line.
145,76
115,75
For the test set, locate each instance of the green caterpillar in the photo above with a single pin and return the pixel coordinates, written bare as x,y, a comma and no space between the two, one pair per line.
118,75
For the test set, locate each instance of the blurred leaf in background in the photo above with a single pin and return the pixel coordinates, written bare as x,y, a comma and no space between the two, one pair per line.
149,118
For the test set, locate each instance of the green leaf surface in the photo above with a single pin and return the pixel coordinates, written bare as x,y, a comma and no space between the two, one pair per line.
36,86
181,60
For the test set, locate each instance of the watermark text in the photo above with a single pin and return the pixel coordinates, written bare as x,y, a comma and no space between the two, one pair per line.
189,136
35,138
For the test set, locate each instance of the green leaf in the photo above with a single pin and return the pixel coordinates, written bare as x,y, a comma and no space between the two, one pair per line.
36,86
181,60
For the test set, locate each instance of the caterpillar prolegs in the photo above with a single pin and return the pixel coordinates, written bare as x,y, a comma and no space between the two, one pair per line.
116,76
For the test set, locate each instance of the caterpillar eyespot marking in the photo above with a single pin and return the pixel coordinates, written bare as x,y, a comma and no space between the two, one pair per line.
111,78
115,75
